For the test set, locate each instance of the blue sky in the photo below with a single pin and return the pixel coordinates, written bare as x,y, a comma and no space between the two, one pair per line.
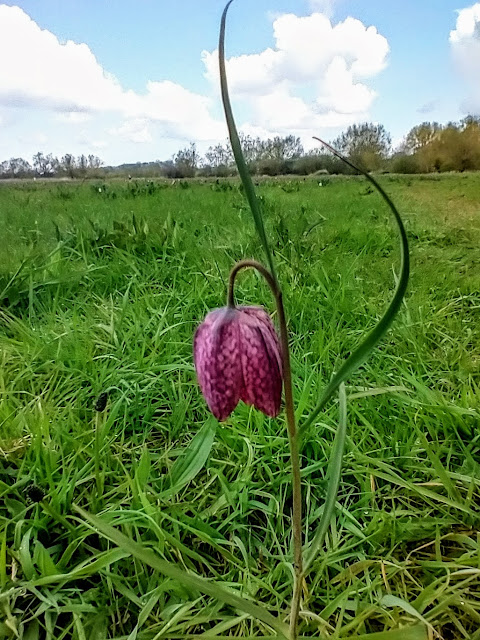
137,81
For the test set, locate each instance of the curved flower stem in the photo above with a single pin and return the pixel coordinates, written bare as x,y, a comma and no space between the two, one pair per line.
361,353
291,427
237,147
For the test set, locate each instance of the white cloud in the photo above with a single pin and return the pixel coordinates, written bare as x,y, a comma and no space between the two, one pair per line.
468,26
310,43
465,43
311,55
66,78
136,130
63,77
74,117
91,143
37,138
316,76
183,113
341,92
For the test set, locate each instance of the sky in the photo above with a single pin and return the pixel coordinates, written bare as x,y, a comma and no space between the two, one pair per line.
136,81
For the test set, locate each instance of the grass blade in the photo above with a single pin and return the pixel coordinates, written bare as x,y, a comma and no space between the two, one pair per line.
191,581
334,472
237,147
362,352
390,600
406,633
193,459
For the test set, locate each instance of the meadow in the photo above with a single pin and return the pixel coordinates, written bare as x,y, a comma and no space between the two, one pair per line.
102,286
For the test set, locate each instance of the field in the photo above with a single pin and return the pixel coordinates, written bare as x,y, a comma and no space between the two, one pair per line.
102,286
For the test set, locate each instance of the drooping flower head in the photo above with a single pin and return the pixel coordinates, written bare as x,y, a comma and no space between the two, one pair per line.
238,357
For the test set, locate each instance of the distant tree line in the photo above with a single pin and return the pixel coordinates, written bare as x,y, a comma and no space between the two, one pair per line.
434,147
428,147
49,166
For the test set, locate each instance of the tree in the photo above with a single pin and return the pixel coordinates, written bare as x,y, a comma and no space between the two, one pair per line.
15,168
19,168
252,149
45,166
94,165
366,144
470,122
68,165
219,156
402,162
82,165
94,162
186,161
421,135
452,147
281,149
277,155
459,147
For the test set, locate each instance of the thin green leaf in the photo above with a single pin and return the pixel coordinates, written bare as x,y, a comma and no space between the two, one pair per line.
334,473
142,472
418,489
190,581
362,352
193,459
84,569
44,560
237,147
405,633
25,557
390,600
442,473
32,631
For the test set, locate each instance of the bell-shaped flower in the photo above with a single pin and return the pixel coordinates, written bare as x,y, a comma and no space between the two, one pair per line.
238,357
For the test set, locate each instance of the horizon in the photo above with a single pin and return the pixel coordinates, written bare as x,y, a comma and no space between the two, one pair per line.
294,68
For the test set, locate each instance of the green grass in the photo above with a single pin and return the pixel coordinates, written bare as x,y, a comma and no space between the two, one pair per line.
101,289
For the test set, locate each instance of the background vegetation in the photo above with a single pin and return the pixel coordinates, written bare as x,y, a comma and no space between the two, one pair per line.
101,287
428,147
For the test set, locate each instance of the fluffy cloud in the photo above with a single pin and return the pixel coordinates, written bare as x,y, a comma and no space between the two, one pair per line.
90,143
331,62
74,117
38,138
45,73
136,130
316,76
67,79
187,114
465,43
467,29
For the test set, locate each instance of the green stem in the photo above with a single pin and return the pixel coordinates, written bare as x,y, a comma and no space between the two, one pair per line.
237,148
291,428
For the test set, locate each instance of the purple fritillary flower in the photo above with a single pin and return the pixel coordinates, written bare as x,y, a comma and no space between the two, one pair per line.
238,357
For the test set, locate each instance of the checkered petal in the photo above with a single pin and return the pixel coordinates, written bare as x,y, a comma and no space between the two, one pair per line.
217,361
261,359
238,357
